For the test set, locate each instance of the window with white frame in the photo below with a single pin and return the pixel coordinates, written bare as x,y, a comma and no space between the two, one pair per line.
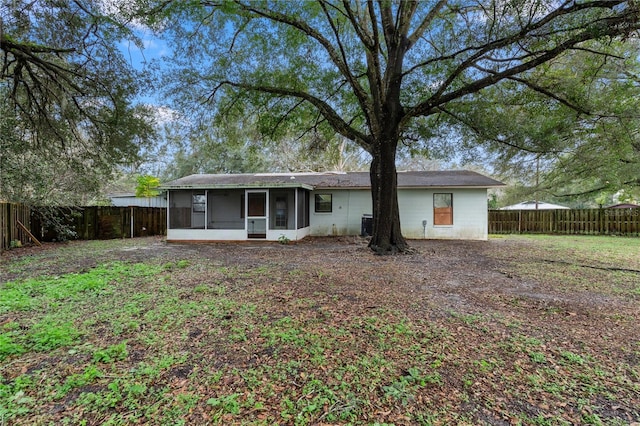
442,209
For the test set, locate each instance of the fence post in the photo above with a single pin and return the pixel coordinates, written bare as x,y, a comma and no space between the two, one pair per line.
519,221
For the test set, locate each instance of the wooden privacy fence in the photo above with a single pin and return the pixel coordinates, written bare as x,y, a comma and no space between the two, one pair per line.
582,221
102,223
88,223
10,231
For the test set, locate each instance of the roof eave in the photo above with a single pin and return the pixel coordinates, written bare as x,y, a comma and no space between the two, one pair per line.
326,188
239,186
452,186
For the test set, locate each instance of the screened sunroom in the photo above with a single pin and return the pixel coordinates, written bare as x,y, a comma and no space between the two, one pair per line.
238,213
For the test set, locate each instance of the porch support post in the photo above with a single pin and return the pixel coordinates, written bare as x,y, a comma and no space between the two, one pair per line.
267,212
295,211
168,209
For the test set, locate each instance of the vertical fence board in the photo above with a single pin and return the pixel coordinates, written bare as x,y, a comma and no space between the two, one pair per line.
89,223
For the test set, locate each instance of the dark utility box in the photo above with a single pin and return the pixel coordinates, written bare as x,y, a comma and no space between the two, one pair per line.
366,230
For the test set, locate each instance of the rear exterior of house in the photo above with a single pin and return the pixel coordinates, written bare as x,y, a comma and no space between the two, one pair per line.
439,205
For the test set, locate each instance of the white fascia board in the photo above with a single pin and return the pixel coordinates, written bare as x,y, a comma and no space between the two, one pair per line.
238,186
452,187
338,188
335,188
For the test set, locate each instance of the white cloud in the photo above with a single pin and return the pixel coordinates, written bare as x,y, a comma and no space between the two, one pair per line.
165,115
121,10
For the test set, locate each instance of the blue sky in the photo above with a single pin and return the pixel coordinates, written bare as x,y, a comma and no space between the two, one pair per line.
153,50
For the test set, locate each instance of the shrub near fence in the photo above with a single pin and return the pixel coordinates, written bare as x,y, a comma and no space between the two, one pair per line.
101,223
582,221
88,223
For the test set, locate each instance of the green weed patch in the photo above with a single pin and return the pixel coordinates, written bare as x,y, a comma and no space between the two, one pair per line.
35,293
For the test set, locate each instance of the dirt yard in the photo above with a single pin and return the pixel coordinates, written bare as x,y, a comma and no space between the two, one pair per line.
516,330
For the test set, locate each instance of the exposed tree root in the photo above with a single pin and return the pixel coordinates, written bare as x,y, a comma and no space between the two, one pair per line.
391,249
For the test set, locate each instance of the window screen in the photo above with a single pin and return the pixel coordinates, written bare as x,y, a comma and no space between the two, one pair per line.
198,204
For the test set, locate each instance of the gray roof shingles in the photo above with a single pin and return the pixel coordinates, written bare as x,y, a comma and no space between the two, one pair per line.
326,180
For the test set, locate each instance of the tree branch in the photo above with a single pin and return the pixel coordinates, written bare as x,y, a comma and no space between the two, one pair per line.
323,107
545,92
309,31
365,38
426,22
502,141
618,25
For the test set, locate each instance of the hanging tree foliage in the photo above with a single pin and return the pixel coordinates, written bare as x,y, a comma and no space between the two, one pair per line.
67,91
581,144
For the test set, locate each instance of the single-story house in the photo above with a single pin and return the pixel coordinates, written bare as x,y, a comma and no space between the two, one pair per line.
532,205
129,199
272,206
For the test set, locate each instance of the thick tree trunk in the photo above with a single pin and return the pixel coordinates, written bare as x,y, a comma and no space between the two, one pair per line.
386,238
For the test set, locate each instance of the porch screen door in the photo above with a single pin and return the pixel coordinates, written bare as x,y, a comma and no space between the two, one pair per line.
257,214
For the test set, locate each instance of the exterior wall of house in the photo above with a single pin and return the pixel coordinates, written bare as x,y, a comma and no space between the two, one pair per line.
206,235
470,215
232,234
348,206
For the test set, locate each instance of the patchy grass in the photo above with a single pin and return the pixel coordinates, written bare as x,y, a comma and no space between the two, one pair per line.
466,333
598,264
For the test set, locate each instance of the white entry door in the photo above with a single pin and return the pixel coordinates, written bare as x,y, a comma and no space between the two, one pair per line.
257,214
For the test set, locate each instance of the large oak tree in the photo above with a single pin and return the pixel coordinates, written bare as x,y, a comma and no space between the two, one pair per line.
380,73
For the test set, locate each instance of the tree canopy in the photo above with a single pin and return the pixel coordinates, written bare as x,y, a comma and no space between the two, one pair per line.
585,142
66,97
381,74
